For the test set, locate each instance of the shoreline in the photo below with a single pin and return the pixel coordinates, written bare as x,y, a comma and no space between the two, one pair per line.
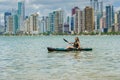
108,34
63,34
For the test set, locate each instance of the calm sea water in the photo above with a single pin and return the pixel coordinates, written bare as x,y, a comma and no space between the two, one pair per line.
27,58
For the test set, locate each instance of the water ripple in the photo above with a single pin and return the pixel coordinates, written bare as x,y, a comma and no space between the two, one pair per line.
26,58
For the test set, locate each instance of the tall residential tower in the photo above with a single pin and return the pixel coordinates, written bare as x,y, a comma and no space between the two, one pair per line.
21,14
56,21
6,15
109,17
98,12
89,19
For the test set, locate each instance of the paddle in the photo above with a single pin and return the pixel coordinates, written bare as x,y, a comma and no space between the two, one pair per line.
65,40
68,42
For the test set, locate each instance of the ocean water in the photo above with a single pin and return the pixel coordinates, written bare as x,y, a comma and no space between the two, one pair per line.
27,58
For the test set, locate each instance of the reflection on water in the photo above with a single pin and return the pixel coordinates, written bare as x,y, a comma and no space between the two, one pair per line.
26,58
77,55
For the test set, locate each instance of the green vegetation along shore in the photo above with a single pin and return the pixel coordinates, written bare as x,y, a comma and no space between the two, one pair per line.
92,33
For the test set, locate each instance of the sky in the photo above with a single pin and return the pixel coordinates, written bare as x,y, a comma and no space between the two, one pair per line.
44,7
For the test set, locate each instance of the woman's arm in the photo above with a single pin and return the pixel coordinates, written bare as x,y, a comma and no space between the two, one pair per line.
71,43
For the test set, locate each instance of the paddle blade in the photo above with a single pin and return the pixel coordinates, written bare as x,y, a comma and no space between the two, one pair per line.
65,40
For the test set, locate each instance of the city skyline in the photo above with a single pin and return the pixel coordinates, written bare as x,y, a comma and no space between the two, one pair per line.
43,8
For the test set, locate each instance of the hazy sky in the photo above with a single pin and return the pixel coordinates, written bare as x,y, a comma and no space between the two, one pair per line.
43,7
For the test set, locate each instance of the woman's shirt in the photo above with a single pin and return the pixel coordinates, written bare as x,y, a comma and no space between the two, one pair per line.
76,45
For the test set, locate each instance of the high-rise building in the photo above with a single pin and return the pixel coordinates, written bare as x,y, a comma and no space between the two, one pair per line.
72,23
31,25
82,21
6,15
119,21
116,15
78,21
10,25
21,9
69,22
103,24
51,23
47,24
15,23
99,15
21,14
43,25
89,19
66,28
73,17
95,5
34,26
98,12
1,29
109,17
67,25
74,10
27,26
56,21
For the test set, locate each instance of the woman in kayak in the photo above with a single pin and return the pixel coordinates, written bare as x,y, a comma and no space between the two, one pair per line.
76,44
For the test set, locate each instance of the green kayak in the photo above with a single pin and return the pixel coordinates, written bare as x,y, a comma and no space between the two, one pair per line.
72,49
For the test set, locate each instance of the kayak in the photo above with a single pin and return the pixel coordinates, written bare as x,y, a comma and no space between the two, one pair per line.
71,49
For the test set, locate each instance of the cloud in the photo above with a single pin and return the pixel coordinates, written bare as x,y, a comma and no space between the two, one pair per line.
44,7
117,8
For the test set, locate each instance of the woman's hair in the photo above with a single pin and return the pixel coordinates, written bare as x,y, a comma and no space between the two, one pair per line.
76,39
